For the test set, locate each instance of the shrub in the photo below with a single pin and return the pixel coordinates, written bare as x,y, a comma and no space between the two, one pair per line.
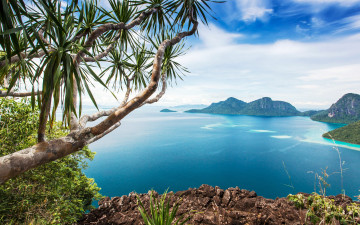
57,192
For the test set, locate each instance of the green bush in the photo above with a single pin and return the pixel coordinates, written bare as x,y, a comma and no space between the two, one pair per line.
57,192
322,210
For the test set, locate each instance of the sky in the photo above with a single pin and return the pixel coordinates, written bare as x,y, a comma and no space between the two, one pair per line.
305,52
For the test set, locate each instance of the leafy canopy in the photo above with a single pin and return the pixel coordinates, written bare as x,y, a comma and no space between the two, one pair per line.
47,34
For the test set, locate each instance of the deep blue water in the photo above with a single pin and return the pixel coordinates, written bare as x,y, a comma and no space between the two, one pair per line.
175,151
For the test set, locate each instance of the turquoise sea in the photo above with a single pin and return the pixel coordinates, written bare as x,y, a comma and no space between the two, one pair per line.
175,151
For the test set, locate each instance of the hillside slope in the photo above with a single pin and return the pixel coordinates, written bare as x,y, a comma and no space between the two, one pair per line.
345,110
349,133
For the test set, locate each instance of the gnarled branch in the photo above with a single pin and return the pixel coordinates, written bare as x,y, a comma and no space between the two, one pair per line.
90,118
116,125
161,93
21,161
107,27
15,94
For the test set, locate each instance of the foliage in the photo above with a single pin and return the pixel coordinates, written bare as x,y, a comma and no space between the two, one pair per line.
310,113
160,211
63,30
57,192
323,210
349,133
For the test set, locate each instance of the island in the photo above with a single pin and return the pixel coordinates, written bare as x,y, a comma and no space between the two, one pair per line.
167,110
349,134
345,110
261,107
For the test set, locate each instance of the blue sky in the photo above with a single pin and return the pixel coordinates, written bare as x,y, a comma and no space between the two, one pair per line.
305,52
265,21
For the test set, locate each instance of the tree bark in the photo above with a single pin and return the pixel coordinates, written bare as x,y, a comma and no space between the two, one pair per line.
43,118
20,94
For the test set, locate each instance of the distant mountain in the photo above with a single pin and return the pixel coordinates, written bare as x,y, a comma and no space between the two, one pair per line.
229,106
345,110
267,107
167,110
261,107
349,133
187,107
311,112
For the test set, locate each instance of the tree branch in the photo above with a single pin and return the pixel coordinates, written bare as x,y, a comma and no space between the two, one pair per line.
116,125
80,35
162,92
23,55
26,159
87,118
90,41
14,94
106,52
107,27
149,90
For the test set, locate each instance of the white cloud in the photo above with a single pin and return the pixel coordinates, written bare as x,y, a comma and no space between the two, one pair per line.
301,30
214,36
309,74
348,24
317,22
341,2
343,73
251,10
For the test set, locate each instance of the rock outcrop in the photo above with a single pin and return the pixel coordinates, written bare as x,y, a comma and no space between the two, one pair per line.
206,205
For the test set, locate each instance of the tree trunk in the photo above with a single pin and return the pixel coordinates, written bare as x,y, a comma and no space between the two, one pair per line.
44,115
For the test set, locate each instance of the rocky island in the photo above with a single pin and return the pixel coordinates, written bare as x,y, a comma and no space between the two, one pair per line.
345,110
261,107
167,110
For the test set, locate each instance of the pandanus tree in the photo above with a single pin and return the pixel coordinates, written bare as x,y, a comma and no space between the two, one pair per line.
53,47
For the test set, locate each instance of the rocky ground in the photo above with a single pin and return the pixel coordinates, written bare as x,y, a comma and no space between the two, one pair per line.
207,205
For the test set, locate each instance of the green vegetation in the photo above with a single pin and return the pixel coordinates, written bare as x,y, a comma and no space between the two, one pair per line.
160,211
349,133
322,210
345,110
54,193
261,107
311,112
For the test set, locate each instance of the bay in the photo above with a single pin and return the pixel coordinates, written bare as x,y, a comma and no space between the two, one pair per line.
175,151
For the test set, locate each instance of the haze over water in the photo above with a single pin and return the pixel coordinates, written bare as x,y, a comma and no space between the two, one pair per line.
175,151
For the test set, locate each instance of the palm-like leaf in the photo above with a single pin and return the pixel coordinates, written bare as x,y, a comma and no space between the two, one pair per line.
118,70
156,21
122,12
198,9
139,67
170,67
160,211
57,70
10,17
90,16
